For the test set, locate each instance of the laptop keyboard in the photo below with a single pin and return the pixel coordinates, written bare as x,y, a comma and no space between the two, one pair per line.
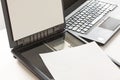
85,18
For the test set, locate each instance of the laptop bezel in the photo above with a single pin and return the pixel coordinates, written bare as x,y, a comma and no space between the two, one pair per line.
13,43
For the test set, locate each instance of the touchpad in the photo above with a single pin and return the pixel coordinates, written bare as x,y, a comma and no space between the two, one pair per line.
110,23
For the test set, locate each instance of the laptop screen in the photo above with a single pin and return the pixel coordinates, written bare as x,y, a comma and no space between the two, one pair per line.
32,16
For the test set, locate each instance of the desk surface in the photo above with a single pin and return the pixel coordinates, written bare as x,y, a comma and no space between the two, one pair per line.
11,69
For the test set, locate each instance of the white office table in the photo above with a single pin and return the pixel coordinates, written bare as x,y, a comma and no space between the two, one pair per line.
11,69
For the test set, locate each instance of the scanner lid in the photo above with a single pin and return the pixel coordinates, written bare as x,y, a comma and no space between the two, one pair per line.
26,20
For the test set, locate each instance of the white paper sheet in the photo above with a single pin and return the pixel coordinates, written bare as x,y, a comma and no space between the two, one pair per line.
32,16
87,62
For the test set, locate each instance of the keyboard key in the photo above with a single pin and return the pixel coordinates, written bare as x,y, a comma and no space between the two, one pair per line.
70,27
82,13
83,22
70,22
79,15
86,24
85,29
82,17
75,19
81,27
78,21
78,30
89,16
75,28
67,24
77,25
82,32
88,27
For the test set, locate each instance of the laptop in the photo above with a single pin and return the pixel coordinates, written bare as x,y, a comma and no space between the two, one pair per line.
91,19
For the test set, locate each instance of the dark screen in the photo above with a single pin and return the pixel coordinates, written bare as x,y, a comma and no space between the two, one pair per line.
68,3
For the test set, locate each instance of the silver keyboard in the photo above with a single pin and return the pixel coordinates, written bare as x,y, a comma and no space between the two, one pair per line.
83,20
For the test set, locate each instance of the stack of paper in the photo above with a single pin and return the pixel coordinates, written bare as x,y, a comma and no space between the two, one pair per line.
87,62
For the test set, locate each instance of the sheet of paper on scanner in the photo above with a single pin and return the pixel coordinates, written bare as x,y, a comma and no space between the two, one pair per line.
86,62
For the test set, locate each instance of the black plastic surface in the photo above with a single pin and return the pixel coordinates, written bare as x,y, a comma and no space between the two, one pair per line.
33,57
29,56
